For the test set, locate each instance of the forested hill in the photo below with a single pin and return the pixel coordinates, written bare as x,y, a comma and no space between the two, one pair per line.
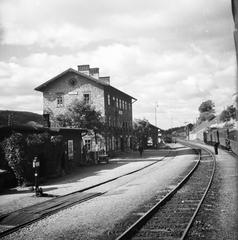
19,117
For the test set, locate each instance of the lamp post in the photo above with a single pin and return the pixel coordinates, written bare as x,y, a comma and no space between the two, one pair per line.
36,166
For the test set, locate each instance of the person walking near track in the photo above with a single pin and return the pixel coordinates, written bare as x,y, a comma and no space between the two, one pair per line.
140,149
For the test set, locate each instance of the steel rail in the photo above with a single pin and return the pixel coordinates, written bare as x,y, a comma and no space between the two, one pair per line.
204,195
15,228
133,229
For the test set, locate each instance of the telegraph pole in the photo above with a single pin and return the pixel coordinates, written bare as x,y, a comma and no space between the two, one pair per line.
156,105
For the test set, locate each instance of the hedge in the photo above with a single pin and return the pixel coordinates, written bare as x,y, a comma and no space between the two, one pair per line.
20,149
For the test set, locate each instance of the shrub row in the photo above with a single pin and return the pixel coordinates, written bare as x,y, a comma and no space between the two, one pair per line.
20,149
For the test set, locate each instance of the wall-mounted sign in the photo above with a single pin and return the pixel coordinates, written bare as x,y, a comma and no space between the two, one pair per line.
73,93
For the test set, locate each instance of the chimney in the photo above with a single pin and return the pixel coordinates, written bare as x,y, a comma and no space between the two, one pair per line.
84,69
94,72
105,79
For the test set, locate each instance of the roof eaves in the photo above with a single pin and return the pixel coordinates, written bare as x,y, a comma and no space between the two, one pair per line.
43,85
121,92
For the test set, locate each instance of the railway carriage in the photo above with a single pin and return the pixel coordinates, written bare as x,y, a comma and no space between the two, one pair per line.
227,138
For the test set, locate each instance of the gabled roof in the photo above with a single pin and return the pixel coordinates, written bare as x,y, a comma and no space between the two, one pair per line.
42,87
70,70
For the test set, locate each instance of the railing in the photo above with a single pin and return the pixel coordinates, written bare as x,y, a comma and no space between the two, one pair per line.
234,146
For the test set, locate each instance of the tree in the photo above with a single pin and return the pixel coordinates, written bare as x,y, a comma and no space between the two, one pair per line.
228,114
14,154
141,129
207,106
207,110
81,115
20,149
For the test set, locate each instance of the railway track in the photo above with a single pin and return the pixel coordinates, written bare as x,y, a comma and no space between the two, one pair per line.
172,215
16,220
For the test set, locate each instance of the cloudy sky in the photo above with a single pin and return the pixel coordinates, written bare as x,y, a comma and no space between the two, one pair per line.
174,54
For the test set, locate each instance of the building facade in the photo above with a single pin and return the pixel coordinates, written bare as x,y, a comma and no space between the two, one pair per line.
86,84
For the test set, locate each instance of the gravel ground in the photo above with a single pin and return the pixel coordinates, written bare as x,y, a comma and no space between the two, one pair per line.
218,217
91,219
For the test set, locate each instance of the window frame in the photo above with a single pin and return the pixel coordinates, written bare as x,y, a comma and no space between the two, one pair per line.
59,100
88,144
86,101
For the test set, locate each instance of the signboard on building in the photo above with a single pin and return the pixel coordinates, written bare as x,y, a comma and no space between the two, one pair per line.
73,93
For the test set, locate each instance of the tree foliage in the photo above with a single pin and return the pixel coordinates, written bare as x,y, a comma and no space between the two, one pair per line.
141,131
207,106
14,154
207,110
228,114
20,149
81,115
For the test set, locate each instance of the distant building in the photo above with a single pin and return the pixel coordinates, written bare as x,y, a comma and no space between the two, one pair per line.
145,134
198,131
86,84
153,139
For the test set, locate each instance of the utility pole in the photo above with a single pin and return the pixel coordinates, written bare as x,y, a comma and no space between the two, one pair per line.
156,105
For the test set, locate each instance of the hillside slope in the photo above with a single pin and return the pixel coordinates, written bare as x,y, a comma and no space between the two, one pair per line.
19,117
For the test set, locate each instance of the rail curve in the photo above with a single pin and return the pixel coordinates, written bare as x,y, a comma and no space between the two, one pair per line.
171,216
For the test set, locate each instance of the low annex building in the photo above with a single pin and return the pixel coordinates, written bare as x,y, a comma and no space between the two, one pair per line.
86,84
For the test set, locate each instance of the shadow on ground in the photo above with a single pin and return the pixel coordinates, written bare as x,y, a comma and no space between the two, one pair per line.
24,190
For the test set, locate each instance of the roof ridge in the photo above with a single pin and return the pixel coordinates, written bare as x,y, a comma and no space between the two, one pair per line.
39,88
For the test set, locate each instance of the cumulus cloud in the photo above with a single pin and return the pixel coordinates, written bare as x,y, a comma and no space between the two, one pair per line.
174,54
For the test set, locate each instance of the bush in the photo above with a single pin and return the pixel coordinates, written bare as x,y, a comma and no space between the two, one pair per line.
19,151
14,155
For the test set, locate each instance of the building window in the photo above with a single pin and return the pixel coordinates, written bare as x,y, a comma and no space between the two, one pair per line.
117,102
86,98
113,143
108,99
110,146
129,106
107,143
60,101
88,144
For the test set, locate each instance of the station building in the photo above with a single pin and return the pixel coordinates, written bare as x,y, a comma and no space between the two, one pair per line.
86,84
